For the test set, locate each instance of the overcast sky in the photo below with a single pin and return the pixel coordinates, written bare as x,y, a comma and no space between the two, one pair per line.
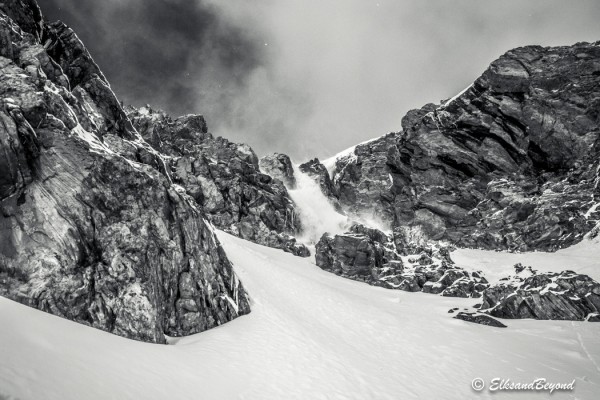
309,78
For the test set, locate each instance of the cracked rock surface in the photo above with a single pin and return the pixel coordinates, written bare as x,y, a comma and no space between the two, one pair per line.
92,227
510,163
371,256
224,178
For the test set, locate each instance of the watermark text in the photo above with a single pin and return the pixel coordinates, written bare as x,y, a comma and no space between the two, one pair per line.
536,385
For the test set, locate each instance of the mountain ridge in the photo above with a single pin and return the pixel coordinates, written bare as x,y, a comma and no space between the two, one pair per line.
454,165
108,213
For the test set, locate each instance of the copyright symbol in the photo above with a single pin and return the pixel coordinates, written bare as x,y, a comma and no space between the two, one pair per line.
478,384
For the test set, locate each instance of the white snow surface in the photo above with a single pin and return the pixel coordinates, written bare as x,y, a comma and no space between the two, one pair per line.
311,335
317,213
584,258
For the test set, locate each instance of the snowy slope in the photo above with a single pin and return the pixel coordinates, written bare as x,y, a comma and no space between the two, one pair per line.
584,258
311,335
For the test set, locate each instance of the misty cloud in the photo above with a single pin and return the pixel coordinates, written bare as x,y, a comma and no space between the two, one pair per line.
178,55
309,78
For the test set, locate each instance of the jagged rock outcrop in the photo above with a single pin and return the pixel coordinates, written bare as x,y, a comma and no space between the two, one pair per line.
68,51
559,296
510,163
224,177
371,256
363,254
279,166
319,174
26,15
91,226
361,180
374,257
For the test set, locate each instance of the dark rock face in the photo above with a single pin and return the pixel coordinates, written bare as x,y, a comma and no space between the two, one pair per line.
371,256
279,166
319,174
511,163
69,52
361,180
26,14
362,254
91,227
481,319
224,178
562,296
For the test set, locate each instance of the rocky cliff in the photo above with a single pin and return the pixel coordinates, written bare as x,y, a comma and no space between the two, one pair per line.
510,163
416,265
107,213
92,226
374,257
224,178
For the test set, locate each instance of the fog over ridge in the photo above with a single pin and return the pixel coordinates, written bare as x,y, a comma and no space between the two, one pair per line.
309,78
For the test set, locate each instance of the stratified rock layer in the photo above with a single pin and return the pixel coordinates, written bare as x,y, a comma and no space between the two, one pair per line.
563,296
91,226
510,163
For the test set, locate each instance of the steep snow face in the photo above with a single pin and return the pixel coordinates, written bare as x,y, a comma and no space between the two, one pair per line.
311,335
316,211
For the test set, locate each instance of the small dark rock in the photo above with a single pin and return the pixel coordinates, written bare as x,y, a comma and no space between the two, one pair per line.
479,319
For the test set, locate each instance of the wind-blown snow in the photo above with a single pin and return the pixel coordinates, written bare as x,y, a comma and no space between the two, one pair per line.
316,211
451,100
329,163
311,335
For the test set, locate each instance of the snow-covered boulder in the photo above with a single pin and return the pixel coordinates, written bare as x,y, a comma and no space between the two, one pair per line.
373,256
564,296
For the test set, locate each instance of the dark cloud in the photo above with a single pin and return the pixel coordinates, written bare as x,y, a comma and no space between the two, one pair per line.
163,52
309,78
